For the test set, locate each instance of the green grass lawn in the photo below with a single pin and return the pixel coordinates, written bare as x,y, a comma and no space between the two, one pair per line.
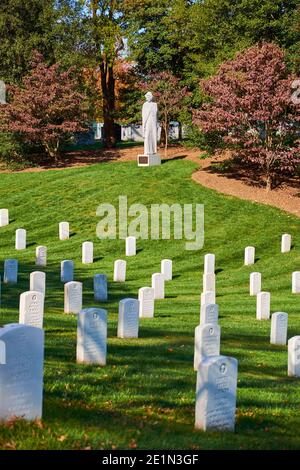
144,398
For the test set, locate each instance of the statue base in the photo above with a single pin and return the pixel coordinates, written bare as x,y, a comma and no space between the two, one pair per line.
151,159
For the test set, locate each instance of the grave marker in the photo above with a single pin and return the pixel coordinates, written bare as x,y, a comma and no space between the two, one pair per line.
294,356
296,282
209,313
249,255
100,287
92,336
209,264
146,300
166,269
66,271
279,325
20,239
128,322
130,246
10,271
119,270
73,297
38,282
158,284
41,256
4,217
216,394
263,306
21,372
255,283
207,342
87,252
31,309
286,243
64,230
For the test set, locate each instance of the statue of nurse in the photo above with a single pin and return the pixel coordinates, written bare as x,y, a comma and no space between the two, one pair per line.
149,114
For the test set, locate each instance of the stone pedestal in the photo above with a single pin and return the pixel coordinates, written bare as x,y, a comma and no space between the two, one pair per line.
149,160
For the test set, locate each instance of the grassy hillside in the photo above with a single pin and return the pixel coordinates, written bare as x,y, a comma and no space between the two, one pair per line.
144,397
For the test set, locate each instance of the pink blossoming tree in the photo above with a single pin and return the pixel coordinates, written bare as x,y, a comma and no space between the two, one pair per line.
250,106
46,109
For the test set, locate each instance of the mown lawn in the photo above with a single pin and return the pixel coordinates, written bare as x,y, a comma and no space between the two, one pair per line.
144,397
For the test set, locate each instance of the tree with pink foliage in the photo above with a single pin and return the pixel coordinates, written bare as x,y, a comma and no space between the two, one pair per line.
46,109
170,96
250,105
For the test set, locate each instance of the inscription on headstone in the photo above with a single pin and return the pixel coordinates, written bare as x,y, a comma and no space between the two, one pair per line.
21,372
128,322
31,310
92,336
73,297
216,394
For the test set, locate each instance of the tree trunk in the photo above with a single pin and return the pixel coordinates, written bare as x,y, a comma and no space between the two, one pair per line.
269,182
108,93
166,138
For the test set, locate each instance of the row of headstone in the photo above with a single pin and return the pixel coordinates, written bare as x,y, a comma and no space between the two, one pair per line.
255,283
249,257
216,375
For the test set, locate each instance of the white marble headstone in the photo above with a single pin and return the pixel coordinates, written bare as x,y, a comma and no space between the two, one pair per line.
10,271
263,306
100,287
208,297
209,282
4,217
286,243
21,372
38,282
255,283
73,297
64,230
209,313
130,246
279,325
120,270
158,284
41,256
31,310
128,321
92,336
20,239
87,252
296,282
294,356
146,299
166,269
67,271
209,263
249,255
207,342
216,394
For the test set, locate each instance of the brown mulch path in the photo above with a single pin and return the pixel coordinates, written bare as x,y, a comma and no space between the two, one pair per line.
233,183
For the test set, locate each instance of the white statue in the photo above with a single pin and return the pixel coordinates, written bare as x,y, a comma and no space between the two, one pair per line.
149,114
